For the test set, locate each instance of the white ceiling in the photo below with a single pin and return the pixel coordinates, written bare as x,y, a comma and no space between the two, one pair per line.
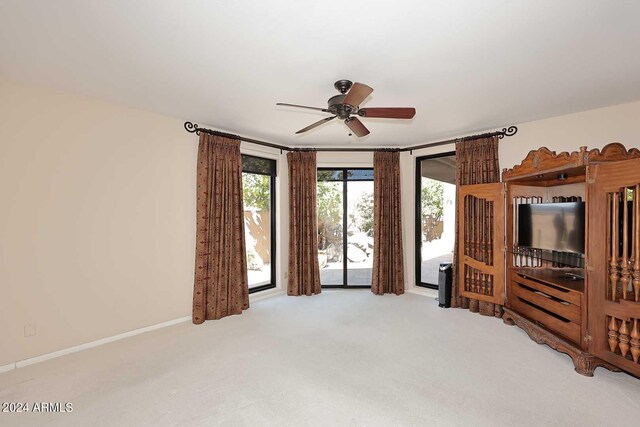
466,66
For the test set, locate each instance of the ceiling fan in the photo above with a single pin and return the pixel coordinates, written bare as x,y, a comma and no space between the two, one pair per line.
346,106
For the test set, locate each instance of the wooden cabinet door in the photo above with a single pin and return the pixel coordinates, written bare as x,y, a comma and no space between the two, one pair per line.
481,242
613,263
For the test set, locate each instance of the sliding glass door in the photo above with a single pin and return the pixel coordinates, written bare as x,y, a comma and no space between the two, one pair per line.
345,227
330,192
435,215
259,196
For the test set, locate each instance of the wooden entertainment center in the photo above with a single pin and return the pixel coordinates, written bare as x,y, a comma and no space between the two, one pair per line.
585,305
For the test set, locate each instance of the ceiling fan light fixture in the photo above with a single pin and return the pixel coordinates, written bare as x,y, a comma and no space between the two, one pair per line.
346,106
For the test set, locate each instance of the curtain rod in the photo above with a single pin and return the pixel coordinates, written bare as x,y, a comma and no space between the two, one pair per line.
193,128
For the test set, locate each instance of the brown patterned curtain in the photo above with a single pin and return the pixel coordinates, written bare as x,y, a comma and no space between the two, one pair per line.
476,163
388,267
221,285
304,269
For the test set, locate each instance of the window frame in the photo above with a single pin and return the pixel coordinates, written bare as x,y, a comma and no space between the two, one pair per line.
272,220
418,216
345,179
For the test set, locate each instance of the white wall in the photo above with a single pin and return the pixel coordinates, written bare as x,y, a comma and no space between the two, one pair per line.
594,129
97,219
328,159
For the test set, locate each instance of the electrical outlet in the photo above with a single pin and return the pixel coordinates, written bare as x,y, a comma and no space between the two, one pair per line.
286,274
29,330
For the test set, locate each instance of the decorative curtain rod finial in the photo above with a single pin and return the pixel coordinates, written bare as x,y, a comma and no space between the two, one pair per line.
510,131
192,128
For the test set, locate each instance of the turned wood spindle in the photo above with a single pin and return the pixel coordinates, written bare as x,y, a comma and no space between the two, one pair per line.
523,251
483,236
485,233
624,263
491,232
472,226
472,218
520,263
613,335
465,232
472,283
481,229
624,338
467,279
514,231
478,220
613,264
529,258
535,261
635,341
467,221
472,229
483,286
636,243
478,230
489,259
487,244
609,222
540,258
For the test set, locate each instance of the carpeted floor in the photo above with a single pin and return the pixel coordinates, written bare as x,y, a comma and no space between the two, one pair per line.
343,358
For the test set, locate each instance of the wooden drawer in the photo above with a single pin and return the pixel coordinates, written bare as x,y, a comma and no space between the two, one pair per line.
556,308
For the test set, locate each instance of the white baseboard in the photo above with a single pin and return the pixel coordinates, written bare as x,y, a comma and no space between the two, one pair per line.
431,293
9,367
26,362
42,358
259,296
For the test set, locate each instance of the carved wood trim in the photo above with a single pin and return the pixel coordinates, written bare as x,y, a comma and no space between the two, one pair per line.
585,363
613,152
544,160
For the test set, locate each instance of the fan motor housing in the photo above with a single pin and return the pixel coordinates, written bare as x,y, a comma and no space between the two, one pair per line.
338,108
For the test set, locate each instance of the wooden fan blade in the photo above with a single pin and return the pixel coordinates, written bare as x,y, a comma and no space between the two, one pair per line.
357,94
303,106
389,113
357,127
316,124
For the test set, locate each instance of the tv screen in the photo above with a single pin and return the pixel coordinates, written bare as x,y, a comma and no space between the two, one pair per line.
552,226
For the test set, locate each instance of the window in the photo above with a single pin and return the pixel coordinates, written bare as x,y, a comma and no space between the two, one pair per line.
435,215
259,196
345,227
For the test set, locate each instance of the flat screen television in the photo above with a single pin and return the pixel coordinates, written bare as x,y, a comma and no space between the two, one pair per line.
552,226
